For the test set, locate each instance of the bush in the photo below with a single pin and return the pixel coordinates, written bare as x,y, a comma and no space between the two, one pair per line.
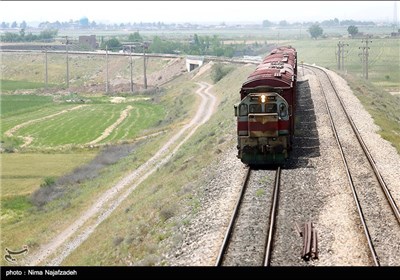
219,71
48,181
167,213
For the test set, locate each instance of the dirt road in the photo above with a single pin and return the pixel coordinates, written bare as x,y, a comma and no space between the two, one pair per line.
54,252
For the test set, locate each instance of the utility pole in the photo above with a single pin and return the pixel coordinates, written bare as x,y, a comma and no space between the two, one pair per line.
145,46
131,62
106,69
45,48
338,54
362,61
365,55
343,55
66,51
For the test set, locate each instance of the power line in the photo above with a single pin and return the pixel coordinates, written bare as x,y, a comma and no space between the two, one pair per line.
67,42
340,55
145,46
365,55
46,48
106,69
131,62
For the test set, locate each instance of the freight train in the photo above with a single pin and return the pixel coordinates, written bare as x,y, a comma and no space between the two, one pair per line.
266,111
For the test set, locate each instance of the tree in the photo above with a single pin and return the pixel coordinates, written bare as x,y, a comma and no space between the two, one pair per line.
135,37
336,21
353,30
112,44
48,34
23,25
14,24
22,33
267,23
315,30
283,23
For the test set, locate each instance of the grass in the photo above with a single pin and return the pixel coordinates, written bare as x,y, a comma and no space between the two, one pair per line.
79,126
141,219
134,233
142,117
38,225
383,107
22,173
384,76
384,58
18,104
8,85
149,214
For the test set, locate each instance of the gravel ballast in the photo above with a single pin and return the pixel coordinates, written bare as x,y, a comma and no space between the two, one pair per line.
314,187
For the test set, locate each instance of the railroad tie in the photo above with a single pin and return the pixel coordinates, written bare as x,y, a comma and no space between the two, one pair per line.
310,241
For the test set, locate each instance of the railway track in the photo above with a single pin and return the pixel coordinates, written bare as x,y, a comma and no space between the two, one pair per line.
372,197
251,243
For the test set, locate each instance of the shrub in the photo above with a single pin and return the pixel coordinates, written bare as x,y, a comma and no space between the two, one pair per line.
48,181
219,71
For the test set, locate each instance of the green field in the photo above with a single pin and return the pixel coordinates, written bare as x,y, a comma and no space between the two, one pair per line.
7,85
24,223
23,173
12,105
76,127
384,58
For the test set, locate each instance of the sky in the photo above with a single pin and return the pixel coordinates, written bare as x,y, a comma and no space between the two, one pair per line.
196,11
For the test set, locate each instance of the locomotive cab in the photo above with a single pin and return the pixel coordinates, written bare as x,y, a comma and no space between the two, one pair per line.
263,128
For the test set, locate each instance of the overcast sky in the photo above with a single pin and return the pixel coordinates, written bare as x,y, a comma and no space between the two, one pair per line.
196,11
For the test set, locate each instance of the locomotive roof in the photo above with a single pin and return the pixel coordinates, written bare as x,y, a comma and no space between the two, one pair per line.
276,70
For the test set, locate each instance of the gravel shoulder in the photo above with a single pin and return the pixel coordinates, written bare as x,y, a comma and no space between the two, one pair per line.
384,154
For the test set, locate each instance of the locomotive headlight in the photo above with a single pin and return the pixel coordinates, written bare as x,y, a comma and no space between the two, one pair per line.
263,98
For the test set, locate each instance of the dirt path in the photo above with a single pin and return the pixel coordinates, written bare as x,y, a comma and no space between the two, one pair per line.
29,139
108,130
69,239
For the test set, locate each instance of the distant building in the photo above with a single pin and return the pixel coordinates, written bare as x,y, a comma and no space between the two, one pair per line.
88,41
395,34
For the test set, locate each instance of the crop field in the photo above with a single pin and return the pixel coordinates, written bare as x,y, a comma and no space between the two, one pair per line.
11,104
23,172
27,172
87,123
7,85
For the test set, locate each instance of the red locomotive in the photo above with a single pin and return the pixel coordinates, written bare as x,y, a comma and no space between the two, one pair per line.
265,114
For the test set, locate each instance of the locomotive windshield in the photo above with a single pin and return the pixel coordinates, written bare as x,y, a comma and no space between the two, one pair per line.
263,103
255,108
270,108
243,110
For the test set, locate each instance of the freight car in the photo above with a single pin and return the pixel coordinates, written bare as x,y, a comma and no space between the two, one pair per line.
266,111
